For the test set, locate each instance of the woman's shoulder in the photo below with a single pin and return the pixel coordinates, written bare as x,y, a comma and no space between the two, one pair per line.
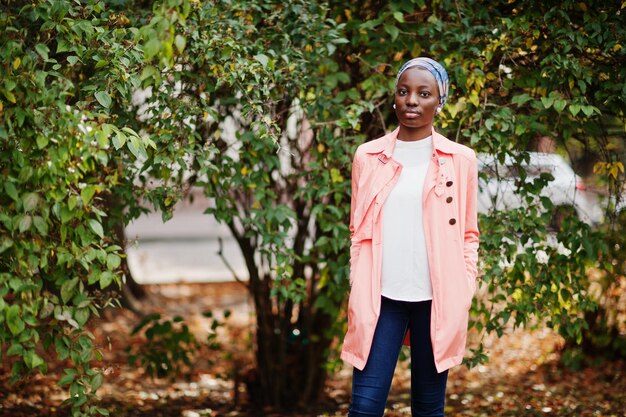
456,148
376,145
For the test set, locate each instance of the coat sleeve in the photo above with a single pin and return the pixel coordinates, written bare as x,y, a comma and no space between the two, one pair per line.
471,235
355,246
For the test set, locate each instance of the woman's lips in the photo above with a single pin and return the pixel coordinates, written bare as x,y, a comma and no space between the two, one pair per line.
412,114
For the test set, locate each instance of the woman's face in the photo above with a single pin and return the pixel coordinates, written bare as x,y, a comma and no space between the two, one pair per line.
416,99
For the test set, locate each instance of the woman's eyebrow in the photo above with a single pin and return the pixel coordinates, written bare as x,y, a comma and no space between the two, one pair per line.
419,86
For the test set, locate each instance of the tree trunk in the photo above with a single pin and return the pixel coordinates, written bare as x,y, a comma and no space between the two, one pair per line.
289,372
289,356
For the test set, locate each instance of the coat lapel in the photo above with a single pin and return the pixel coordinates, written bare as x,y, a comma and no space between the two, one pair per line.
385,180
436,174
383,172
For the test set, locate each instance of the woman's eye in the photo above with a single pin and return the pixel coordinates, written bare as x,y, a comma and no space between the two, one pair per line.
402,92
425,94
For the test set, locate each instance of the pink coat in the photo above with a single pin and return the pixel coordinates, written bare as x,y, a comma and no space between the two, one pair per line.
451,229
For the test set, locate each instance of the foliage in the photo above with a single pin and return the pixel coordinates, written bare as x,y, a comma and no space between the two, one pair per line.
170,346
248,80
68,68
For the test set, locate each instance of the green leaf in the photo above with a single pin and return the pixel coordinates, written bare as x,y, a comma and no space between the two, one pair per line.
68,378
263,59
66,214
520,129
40,225
107,129
103,98
30,200
136,147
547,101
119,140
5,243
148,72
180,42
151,48
42,50
559,104
102,411
393,31
102,157
25,223
61,346
87,193
15,349
96,382
72,59
96,227
521,99
62,46
10,96
72,201
13,319
335,175
106,278
113,261
33,360
67,289
574,109
42,141
371,24
130,131
94,276
398,16
588,110
82,315
10,189
10,85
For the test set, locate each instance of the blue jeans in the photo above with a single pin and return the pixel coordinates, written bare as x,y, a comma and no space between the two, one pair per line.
370,387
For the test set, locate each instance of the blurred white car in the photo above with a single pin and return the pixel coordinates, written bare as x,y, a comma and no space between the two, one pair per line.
498,189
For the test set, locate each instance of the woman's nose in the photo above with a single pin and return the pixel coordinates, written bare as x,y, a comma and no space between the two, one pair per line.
411,100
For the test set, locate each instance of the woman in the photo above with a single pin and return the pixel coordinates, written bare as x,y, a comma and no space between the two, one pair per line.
414,243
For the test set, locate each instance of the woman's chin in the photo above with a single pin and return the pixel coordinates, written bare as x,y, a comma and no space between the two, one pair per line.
414,124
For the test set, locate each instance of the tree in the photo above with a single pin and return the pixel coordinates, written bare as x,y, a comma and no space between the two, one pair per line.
68,161
255,81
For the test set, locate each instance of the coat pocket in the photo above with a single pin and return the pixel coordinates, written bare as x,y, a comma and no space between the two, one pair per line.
360,262
364,224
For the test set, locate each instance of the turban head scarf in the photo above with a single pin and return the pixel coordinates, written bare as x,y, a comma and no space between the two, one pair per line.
435,68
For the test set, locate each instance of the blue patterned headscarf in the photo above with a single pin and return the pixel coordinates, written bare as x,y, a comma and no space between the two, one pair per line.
435,68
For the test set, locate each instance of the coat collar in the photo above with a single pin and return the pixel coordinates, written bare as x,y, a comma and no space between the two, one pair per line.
387,143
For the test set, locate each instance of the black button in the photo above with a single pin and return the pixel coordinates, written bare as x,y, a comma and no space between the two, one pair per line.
449,184
449,200
452,221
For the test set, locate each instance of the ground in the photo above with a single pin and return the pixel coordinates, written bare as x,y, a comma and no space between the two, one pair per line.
522,378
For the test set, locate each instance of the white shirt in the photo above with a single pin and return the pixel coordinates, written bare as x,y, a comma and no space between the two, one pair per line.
405,272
